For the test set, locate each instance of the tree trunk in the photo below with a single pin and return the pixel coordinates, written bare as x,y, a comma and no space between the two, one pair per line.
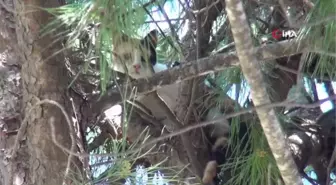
38,160
196,152
253,75
10,92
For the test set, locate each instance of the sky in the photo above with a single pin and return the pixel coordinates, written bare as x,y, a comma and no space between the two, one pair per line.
172,11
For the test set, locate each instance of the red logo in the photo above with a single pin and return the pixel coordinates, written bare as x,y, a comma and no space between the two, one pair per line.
286,34
277,34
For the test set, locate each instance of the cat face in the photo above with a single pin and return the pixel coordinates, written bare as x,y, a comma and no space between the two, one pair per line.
137,56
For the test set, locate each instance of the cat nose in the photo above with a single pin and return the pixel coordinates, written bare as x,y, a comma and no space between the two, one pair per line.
137,67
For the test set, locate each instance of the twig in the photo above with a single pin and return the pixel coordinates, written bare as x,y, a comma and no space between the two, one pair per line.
82,141
211,64
221,33
7,8
312,181
331,163
321,52
309,4
316,23
158,21
52,123
231,115
187,10
287,69
149,3
24,125
165,15
191,155
299,78
284,11
269,172
157,25
202,124
205,9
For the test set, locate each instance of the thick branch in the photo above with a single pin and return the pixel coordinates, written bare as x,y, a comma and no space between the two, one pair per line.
192,69
219,62
253,74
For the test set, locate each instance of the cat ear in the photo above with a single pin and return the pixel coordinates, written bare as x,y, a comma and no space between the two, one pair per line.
125,38
120,38
152,37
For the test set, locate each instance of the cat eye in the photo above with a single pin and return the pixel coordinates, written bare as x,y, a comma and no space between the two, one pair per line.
143,60
127,56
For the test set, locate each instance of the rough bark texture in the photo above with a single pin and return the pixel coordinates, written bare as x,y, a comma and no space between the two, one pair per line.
10,92
38,160
252,72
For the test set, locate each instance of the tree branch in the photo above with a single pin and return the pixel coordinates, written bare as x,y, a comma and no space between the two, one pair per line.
252,71
219,62
192,69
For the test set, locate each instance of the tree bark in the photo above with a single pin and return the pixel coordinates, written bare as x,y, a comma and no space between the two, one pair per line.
10,94
39,161
191,90
251,69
